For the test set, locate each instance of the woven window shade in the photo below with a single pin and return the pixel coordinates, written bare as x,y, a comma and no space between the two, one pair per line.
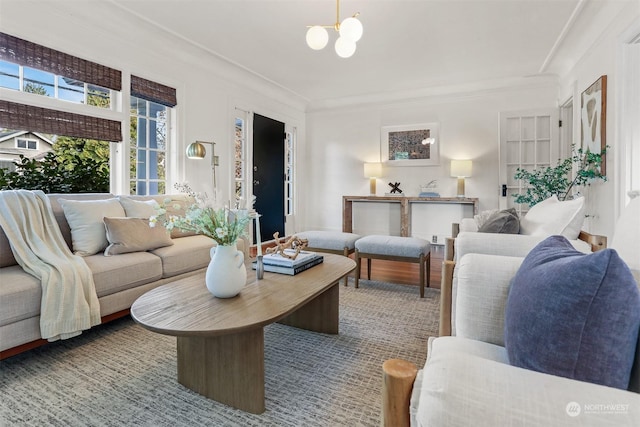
36,119
154,92
26,53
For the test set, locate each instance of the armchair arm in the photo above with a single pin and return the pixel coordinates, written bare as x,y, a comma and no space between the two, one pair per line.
446,297
398,377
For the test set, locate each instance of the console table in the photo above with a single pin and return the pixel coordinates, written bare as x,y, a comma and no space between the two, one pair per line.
405,208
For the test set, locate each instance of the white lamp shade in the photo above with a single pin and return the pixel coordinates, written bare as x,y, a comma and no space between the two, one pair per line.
461,168
351,29
372,170
317,37
345,48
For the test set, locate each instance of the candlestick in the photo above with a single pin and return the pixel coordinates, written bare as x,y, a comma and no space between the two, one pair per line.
258,240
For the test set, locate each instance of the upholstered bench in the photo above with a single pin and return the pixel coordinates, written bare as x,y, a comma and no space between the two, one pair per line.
394,248
334,242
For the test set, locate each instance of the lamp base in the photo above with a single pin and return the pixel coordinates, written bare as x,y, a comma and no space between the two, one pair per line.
372,186
461,187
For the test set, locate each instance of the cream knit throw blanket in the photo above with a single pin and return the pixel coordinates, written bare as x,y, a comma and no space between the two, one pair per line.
69,301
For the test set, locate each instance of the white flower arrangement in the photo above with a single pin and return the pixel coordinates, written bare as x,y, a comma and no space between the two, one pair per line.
222,224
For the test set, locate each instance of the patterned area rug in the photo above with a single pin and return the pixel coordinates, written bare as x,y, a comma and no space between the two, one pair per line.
120,374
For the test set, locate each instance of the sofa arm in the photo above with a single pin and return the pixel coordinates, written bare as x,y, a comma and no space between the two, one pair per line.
398,377
480,296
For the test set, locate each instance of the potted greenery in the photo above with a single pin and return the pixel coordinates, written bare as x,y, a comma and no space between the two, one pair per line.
545,182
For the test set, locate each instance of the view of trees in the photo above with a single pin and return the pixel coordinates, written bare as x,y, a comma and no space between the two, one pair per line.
75,165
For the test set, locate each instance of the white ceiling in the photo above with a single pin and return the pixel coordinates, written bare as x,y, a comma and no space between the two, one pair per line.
407,44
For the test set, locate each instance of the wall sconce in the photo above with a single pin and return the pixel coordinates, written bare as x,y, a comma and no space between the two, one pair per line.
372,171
461,169
196,150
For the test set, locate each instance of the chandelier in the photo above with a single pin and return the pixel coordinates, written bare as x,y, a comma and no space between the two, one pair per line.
350,31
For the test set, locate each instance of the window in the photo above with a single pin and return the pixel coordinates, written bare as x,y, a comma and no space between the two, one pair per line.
148,147
31,80
27,144
240,156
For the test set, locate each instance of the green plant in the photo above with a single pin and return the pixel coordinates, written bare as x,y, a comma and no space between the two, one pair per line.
545,182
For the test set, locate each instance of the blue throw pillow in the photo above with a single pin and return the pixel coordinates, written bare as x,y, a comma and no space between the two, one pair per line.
573,315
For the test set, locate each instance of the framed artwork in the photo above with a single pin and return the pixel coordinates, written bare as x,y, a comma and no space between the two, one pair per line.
410,145
593,118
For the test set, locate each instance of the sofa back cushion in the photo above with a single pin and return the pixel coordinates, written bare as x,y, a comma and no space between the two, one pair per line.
573,315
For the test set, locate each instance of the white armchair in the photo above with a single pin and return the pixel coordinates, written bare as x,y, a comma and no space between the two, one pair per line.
467,379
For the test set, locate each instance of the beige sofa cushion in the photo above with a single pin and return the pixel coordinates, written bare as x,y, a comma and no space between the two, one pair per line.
187,254
20,295
117,273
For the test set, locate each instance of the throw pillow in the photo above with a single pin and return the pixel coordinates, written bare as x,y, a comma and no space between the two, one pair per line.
505,221
573,315
483,216
552,216
133,235
85,221
139,208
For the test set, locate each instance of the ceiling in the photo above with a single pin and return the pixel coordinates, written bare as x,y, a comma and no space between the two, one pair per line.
406,44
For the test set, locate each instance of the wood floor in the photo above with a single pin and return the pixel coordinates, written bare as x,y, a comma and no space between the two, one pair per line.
405,272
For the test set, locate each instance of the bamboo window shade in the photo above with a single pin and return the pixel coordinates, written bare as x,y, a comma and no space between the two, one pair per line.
20,116
152,91
37,119
28,54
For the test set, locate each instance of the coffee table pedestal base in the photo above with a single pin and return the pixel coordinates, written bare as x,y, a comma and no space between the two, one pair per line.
226,368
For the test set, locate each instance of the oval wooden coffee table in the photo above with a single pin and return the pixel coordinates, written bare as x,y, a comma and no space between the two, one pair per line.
220,342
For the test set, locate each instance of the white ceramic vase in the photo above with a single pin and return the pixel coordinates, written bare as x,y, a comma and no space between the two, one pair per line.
226,273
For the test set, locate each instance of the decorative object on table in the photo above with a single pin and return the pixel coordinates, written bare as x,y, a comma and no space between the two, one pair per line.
430,189
196,151
395,188
461,169
593,119
226,274
372,171
350,31
294,243
559,181
283,264
410,145
259,266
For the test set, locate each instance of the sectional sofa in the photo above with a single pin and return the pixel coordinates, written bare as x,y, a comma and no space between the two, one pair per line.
119,278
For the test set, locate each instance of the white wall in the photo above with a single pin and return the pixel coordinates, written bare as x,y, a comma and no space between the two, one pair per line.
340,140
600,58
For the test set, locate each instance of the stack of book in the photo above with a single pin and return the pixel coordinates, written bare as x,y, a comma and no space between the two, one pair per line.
277,263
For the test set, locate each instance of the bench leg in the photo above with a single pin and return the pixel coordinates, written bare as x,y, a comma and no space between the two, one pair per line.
357,255
368,268
421,265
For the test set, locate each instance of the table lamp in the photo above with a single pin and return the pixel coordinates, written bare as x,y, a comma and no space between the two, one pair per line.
461,169
372,171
